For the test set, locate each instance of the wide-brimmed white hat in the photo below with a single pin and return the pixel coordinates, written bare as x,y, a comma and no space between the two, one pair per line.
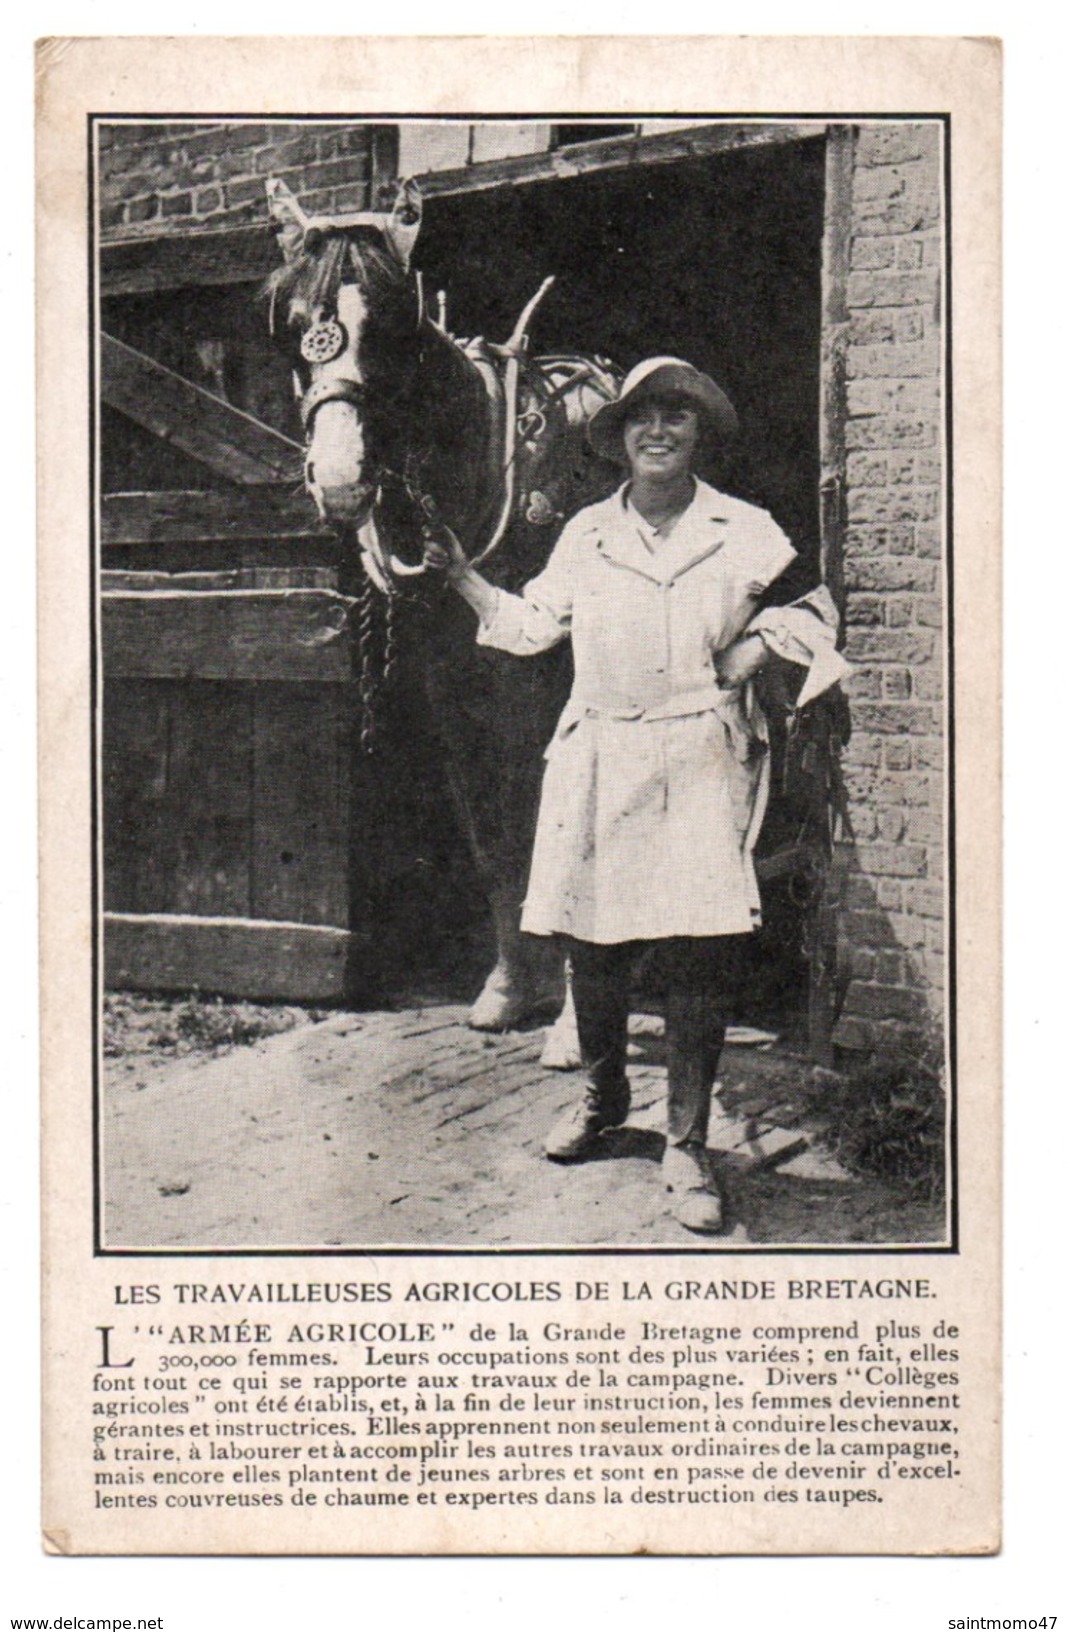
655,376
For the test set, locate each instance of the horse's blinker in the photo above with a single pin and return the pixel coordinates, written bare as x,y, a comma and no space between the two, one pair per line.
323,341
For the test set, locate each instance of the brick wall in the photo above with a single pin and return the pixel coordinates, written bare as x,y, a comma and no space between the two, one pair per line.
892,925
181,177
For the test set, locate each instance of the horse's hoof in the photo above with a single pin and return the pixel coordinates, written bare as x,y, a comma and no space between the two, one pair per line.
499,1008
493,1011
561,1051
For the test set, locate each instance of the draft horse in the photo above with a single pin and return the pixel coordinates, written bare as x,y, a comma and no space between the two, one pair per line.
409,429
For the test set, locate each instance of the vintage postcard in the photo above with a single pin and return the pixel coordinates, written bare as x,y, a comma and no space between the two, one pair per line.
519,628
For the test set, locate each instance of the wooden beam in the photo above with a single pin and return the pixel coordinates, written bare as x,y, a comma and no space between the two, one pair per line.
239,957
154,262
222,437
217,516
280,634
827,979
301,803
114,580
561,164
836,243
384,161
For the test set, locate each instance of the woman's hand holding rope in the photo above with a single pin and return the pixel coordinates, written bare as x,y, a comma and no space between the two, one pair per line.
443,552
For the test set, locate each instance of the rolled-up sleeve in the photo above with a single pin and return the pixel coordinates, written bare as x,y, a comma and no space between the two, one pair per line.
540,617
806,632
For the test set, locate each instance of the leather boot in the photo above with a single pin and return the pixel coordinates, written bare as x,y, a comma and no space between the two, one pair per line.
600,981
692,1192
695,1033
699,988
577,1130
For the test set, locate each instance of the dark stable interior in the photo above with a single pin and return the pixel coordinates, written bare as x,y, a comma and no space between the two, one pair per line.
716,260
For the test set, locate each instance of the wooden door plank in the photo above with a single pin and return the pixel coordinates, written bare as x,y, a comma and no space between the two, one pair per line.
211,798
264,513
281,634
136,810
154,262
225,439
300,804
115,580
177,797
239,957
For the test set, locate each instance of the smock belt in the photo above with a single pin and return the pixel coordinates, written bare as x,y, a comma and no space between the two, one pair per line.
736,707
803,633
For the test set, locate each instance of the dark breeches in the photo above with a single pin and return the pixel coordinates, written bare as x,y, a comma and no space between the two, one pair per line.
700,976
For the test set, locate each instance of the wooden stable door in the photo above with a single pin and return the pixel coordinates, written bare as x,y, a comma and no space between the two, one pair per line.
227,706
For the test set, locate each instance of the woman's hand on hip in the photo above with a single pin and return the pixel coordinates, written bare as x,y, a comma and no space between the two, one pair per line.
739,661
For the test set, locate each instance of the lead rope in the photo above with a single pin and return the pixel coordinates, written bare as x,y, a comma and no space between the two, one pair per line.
390,638
368,685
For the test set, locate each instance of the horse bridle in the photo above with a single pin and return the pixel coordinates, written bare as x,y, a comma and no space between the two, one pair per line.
339,389
342,388
335,389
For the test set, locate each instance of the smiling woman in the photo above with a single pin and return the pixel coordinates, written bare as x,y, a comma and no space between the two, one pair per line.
660,439
657,777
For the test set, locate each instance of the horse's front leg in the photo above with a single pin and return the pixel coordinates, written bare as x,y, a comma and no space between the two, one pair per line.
527,977
494,720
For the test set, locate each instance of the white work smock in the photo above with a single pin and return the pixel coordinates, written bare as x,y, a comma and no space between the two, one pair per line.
656,778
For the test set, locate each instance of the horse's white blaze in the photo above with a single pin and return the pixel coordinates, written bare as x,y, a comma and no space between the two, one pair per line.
337,448
334,464
352,314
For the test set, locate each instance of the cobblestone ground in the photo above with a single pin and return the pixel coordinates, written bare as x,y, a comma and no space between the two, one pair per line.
408,1129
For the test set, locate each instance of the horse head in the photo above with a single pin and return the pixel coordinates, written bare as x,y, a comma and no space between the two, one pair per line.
349,309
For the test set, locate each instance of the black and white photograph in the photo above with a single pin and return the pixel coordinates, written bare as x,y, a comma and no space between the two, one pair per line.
521,576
